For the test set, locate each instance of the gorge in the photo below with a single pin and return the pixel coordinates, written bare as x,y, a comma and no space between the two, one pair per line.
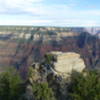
20,46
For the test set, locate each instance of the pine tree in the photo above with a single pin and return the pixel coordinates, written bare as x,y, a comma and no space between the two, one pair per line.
85,86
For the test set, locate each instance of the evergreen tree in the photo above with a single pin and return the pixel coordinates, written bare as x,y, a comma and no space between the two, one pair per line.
10,88
42,91
85,86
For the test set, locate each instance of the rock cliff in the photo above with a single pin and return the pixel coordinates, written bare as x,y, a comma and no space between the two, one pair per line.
67,62
21,45
58,63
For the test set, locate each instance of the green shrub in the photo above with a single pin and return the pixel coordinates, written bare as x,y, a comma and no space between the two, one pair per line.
49,58
85,86
10,88
42,91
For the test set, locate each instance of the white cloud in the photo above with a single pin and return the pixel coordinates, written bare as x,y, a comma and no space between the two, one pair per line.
13,6
25,22
79,22
55,14
20,3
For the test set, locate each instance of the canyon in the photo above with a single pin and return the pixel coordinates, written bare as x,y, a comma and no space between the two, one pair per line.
20,46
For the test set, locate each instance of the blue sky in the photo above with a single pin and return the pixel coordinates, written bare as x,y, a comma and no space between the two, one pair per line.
50,12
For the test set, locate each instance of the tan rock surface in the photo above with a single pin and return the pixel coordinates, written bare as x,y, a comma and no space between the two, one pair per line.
67,62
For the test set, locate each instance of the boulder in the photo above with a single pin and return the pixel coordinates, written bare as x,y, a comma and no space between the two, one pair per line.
67,62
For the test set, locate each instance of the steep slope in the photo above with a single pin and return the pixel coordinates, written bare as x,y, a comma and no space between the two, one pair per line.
20,46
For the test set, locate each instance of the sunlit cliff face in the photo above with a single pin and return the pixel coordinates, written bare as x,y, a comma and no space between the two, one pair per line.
68,62
20,46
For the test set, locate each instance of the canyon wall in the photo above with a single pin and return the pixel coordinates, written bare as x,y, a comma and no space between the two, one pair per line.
67,62
20,46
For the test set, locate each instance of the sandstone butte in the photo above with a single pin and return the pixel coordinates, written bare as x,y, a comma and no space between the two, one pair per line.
68,62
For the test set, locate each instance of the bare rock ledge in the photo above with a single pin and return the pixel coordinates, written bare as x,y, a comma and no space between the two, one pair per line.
68,62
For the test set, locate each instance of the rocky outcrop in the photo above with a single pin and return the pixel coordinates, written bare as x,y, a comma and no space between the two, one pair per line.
20,45
46,34
60,64
67,62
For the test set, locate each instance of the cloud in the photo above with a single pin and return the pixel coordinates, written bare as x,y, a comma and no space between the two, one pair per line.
36,12
78,22
26,22
19,6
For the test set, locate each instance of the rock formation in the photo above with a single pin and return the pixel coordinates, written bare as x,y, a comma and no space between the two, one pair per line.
20,45
59,64
67,62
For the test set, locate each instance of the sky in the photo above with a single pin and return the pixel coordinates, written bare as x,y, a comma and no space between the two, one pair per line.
67,13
